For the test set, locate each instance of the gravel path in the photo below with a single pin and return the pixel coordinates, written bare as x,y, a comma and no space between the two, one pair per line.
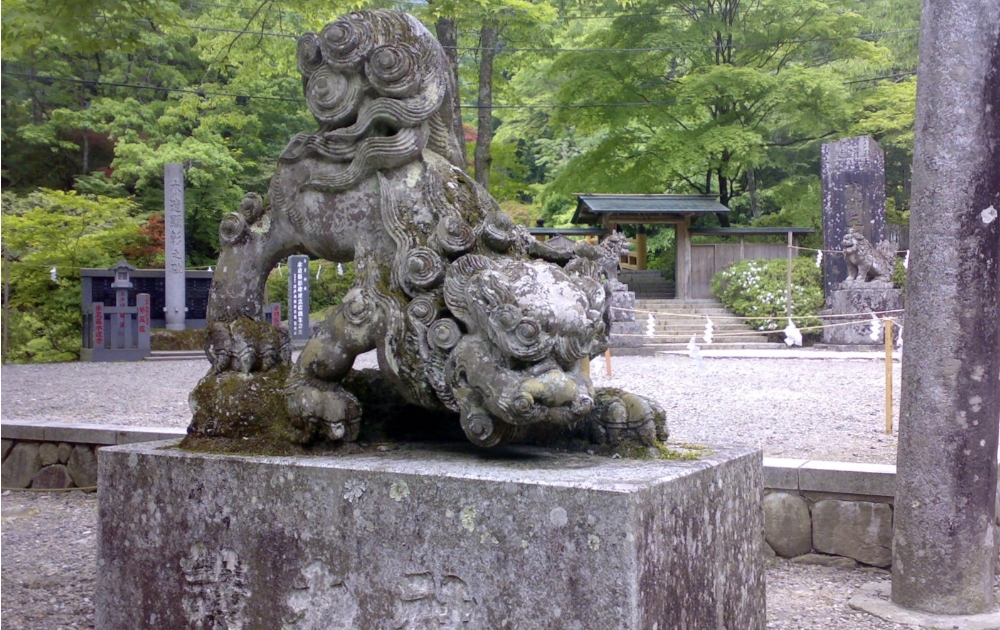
49,575
826,409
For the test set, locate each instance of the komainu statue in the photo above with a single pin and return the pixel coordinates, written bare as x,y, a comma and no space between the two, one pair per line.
471,317
864,262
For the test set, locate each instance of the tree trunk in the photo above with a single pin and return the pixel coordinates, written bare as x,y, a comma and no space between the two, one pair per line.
447,34
752,189
725,194
487,48
86,154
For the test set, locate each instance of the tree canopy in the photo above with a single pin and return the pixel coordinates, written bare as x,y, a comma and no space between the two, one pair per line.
728,97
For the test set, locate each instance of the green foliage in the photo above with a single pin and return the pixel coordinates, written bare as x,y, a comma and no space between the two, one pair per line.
328,291
730,85
757,289
67,231
899,276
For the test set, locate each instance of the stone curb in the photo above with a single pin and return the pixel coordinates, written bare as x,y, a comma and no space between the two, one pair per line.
847,478
100,434
874,599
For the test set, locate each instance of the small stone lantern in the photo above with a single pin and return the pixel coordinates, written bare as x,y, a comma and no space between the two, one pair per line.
123,271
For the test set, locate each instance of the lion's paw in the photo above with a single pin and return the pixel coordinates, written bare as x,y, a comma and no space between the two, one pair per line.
619,416
325,410
246,345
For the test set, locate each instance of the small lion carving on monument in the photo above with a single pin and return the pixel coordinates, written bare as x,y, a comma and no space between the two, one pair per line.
472,318
866,263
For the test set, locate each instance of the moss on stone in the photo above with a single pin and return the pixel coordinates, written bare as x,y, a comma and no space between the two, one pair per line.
187,339
238,406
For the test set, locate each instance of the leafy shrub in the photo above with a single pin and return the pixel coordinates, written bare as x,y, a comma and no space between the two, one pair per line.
756,288
48,229
899,276
327,291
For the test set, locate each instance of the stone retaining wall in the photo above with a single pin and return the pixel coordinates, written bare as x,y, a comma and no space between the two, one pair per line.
61,456
832,513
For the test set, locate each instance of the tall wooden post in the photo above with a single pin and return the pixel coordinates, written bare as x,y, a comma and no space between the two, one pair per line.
788,279
682,272
944,519
640,247
6,303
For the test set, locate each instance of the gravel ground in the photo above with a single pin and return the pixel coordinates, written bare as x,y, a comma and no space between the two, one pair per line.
48,574
808,408
826,409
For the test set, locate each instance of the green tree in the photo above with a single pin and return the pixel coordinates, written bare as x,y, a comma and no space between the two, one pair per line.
48,236
725,83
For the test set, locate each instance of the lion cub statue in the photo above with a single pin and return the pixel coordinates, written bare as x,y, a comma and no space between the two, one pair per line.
866,263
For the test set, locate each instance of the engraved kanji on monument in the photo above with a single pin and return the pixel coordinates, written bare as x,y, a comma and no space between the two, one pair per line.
298,297
173,192
853,173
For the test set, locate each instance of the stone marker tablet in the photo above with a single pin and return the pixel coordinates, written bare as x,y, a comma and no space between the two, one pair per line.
298,297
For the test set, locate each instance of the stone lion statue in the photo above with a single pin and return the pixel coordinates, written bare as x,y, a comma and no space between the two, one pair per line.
866,263
471,317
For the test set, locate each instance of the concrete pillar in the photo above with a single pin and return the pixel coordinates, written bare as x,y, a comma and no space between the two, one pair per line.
943,559
682,270
173,201
143,320
122,339
853,173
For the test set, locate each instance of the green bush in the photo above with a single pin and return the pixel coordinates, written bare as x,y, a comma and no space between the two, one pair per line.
899,276
325,292
757,288
65,231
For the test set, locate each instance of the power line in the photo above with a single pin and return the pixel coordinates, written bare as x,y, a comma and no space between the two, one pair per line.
137,86
204,93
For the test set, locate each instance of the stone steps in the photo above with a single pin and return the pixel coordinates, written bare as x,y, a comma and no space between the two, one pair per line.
677,320
648,284
677,346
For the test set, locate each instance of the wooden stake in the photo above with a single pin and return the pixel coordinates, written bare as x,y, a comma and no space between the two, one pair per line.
888,376
6,303
607,361
788,283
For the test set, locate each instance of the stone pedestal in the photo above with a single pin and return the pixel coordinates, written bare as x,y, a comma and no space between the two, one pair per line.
625,332
863,299
452,537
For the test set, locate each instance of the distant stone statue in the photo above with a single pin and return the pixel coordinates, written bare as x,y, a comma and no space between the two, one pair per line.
866,263
469,313
614,246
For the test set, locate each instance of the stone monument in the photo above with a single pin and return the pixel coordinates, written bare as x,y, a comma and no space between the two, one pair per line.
174,310
867,290
298,297
857,283
482,333
853,174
